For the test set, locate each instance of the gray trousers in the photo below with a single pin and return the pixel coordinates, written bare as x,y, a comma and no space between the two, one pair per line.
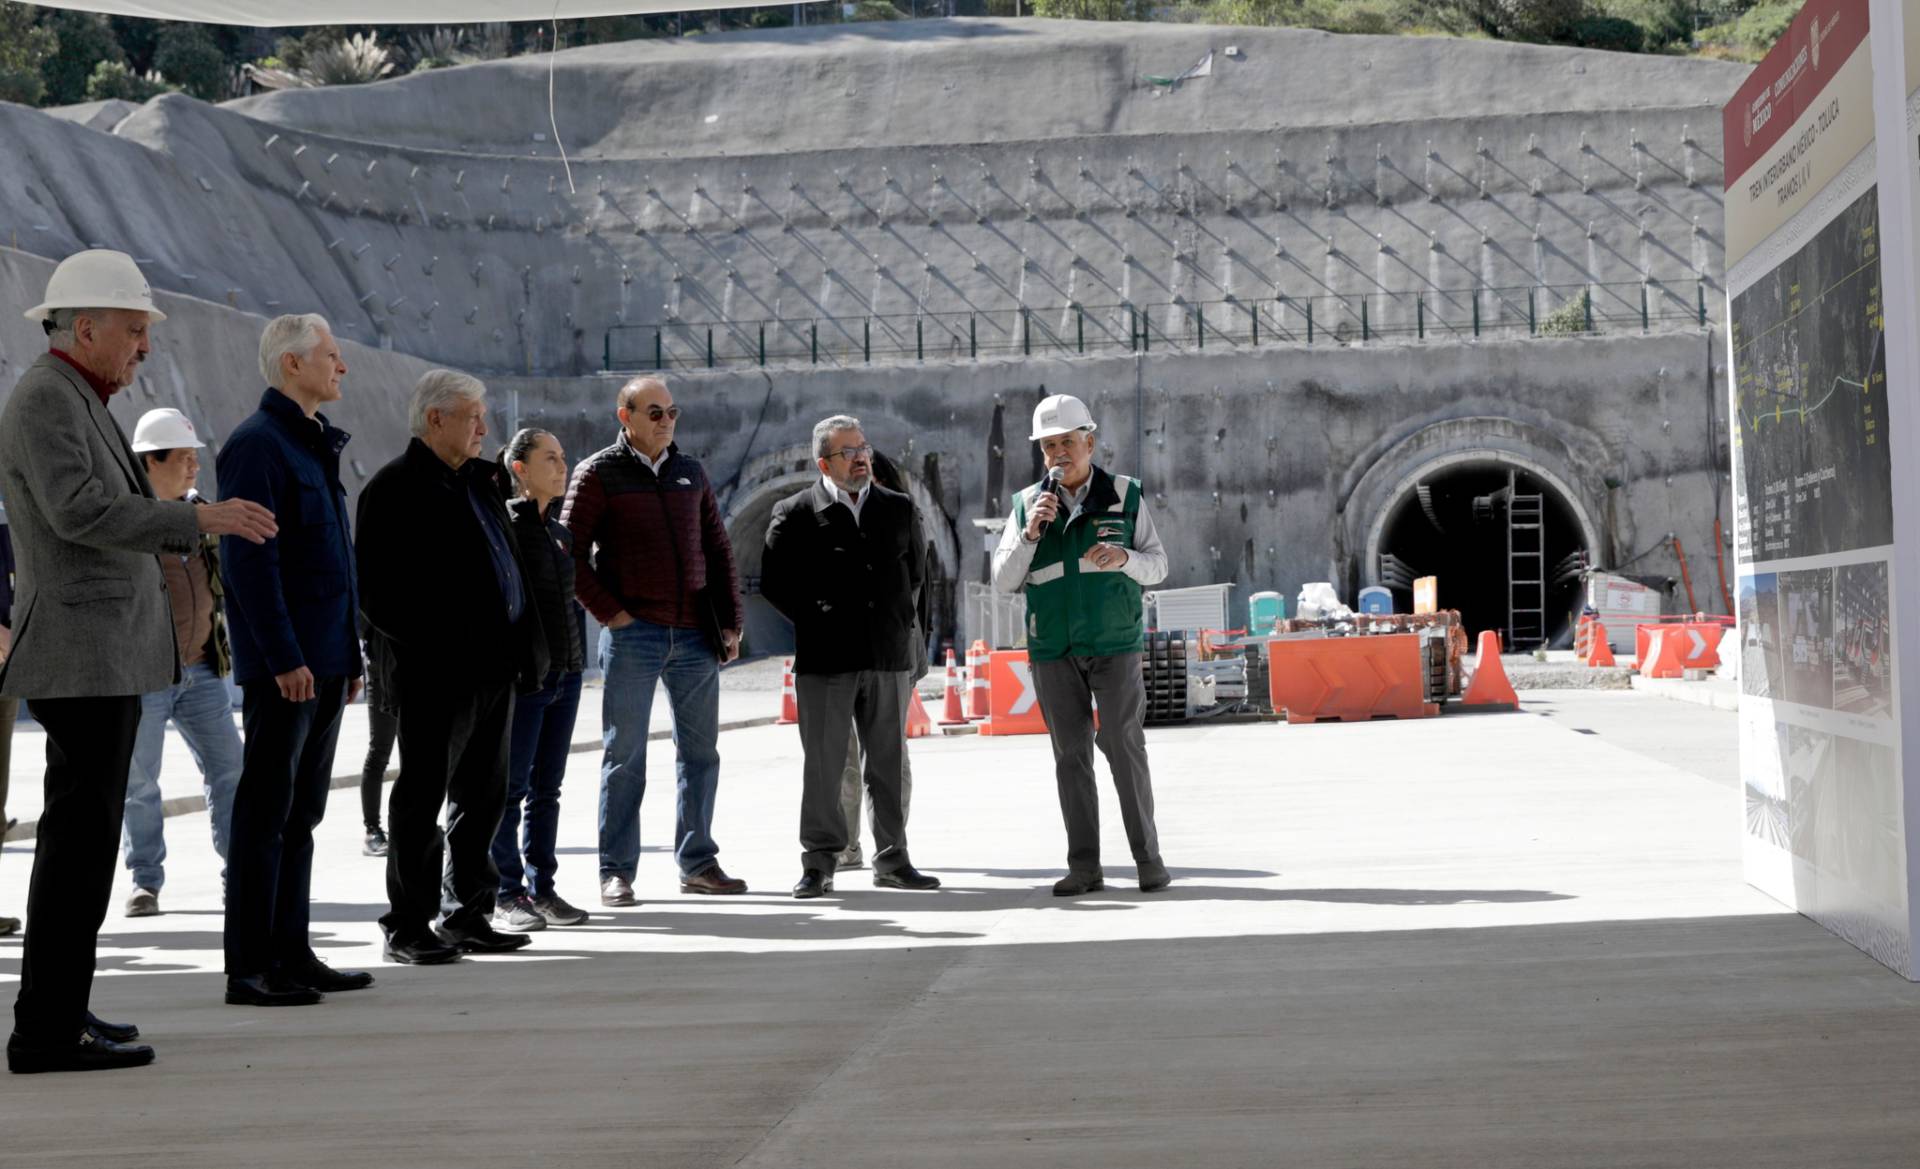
853,782
1067,689
874,702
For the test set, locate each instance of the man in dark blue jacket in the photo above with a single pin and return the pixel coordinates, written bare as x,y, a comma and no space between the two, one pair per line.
290,607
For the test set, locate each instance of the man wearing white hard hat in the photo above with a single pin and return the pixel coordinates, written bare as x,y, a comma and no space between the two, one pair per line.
198,705
1081,544
92,631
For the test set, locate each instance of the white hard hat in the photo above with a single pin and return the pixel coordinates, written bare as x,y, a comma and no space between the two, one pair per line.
165,429
1060,414
97,279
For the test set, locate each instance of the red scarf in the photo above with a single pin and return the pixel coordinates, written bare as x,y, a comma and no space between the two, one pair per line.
100,388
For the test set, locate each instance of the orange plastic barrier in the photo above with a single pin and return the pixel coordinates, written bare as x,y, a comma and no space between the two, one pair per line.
1015,708
1694,645
789,706
919,722
979,703
1490,686
953,715
1349,678
1663,658
1599,653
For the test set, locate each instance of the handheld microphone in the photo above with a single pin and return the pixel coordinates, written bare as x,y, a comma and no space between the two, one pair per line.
1055,477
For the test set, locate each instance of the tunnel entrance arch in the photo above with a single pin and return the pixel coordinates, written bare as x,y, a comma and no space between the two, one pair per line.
773,477
1453,517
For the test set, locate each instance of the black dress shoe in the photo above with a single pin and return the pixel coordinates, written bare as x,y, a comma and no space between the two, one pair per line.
812,883
261,990
1074,884
317,975
480,939
90,1053
117,1032
905,877
420,950
1154,877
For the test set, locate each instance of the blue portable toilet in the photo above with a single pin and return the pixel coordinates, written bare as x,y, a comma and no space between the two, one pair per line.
1376,600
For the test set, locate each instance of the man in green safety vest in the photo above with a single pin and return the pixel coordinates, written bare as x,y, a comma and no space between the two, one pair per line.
1082,545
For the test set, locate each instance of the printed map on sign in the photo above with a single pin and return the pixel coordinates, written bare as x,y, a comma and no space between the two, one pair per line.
1811,397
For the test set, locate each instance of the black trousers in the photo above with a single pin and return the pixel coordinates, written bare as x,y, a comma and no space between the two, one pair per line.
284,777
75,860
453,749
382,728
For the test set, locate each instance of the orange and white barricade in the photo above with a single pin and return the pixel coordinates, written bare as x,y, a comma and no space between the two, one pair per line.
1016,700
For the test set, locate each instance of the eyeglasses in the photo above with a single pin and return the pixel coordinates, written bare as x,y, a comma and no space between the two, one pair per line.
655,413
851,453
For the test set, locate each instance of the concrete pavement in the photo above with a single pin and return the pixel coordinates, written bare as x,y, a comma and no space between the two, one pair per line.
1469,941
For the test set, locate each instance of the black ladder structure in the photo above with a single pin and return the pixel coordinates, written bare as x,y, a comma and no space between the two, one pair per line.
1526,568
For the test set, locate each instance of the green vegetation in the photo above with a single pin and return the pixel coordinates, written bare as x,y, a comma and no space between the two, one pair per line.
1733,29
1747,35
112,80
54,56
25,50
1567,320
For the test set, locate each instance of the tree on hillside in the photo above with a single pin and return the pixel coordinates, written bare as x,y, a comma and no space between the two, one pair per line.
86,39
1522,20
1094,9
24,49
113,81
188,56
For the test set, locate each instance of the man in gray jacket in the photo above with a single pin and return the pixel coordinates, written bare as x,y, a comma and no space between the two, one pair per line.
92,631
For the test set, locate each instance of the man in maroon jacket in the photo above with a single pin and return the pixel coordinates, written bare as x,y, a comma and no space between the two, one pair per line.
654,566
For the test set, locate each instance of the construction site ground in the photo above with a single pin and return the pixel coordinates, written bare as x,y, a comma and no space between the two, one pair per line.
1492,940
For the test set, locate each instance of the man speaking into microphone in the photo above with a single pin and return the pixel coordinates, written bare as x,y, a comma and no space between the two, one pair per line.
1082,545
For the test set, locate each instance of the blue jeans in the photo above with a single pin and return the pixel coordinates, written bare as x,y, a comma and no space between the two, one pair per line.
536,763
633,659
200,706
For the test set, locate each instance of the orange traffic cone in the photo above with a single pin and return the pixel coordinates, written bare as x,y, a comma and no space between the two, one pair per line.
1490,687
789,708
954,715
1599,653
979,698
919,723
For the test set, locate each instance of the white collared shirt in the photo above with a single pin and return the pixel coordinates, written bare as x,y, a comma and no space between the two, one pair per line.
853,502
654,465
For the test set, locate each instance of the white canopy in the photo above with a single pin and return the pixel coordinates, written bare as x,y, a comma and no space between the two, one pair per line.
283,14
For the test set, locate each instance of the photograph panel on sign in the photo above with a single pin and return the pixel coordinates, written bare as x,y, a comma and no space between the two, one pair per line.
1862,669
1763,776
1761,668
1808,758
1806,637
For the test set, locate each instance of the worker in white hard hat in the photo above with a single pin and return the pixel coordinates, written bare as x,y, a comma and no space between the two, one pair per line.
92,632
1081,545
197,705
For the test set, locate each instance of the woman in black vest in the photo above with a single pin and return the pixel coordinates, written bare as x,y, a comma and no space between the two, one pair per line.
534,476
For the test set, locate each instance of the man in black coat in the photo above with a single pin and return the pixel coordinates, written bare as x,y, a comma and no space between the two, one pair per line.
845,562
443,588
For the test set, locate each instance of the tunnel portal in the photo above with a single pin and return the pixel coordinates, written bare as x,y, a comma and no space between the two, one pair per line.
1504,543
